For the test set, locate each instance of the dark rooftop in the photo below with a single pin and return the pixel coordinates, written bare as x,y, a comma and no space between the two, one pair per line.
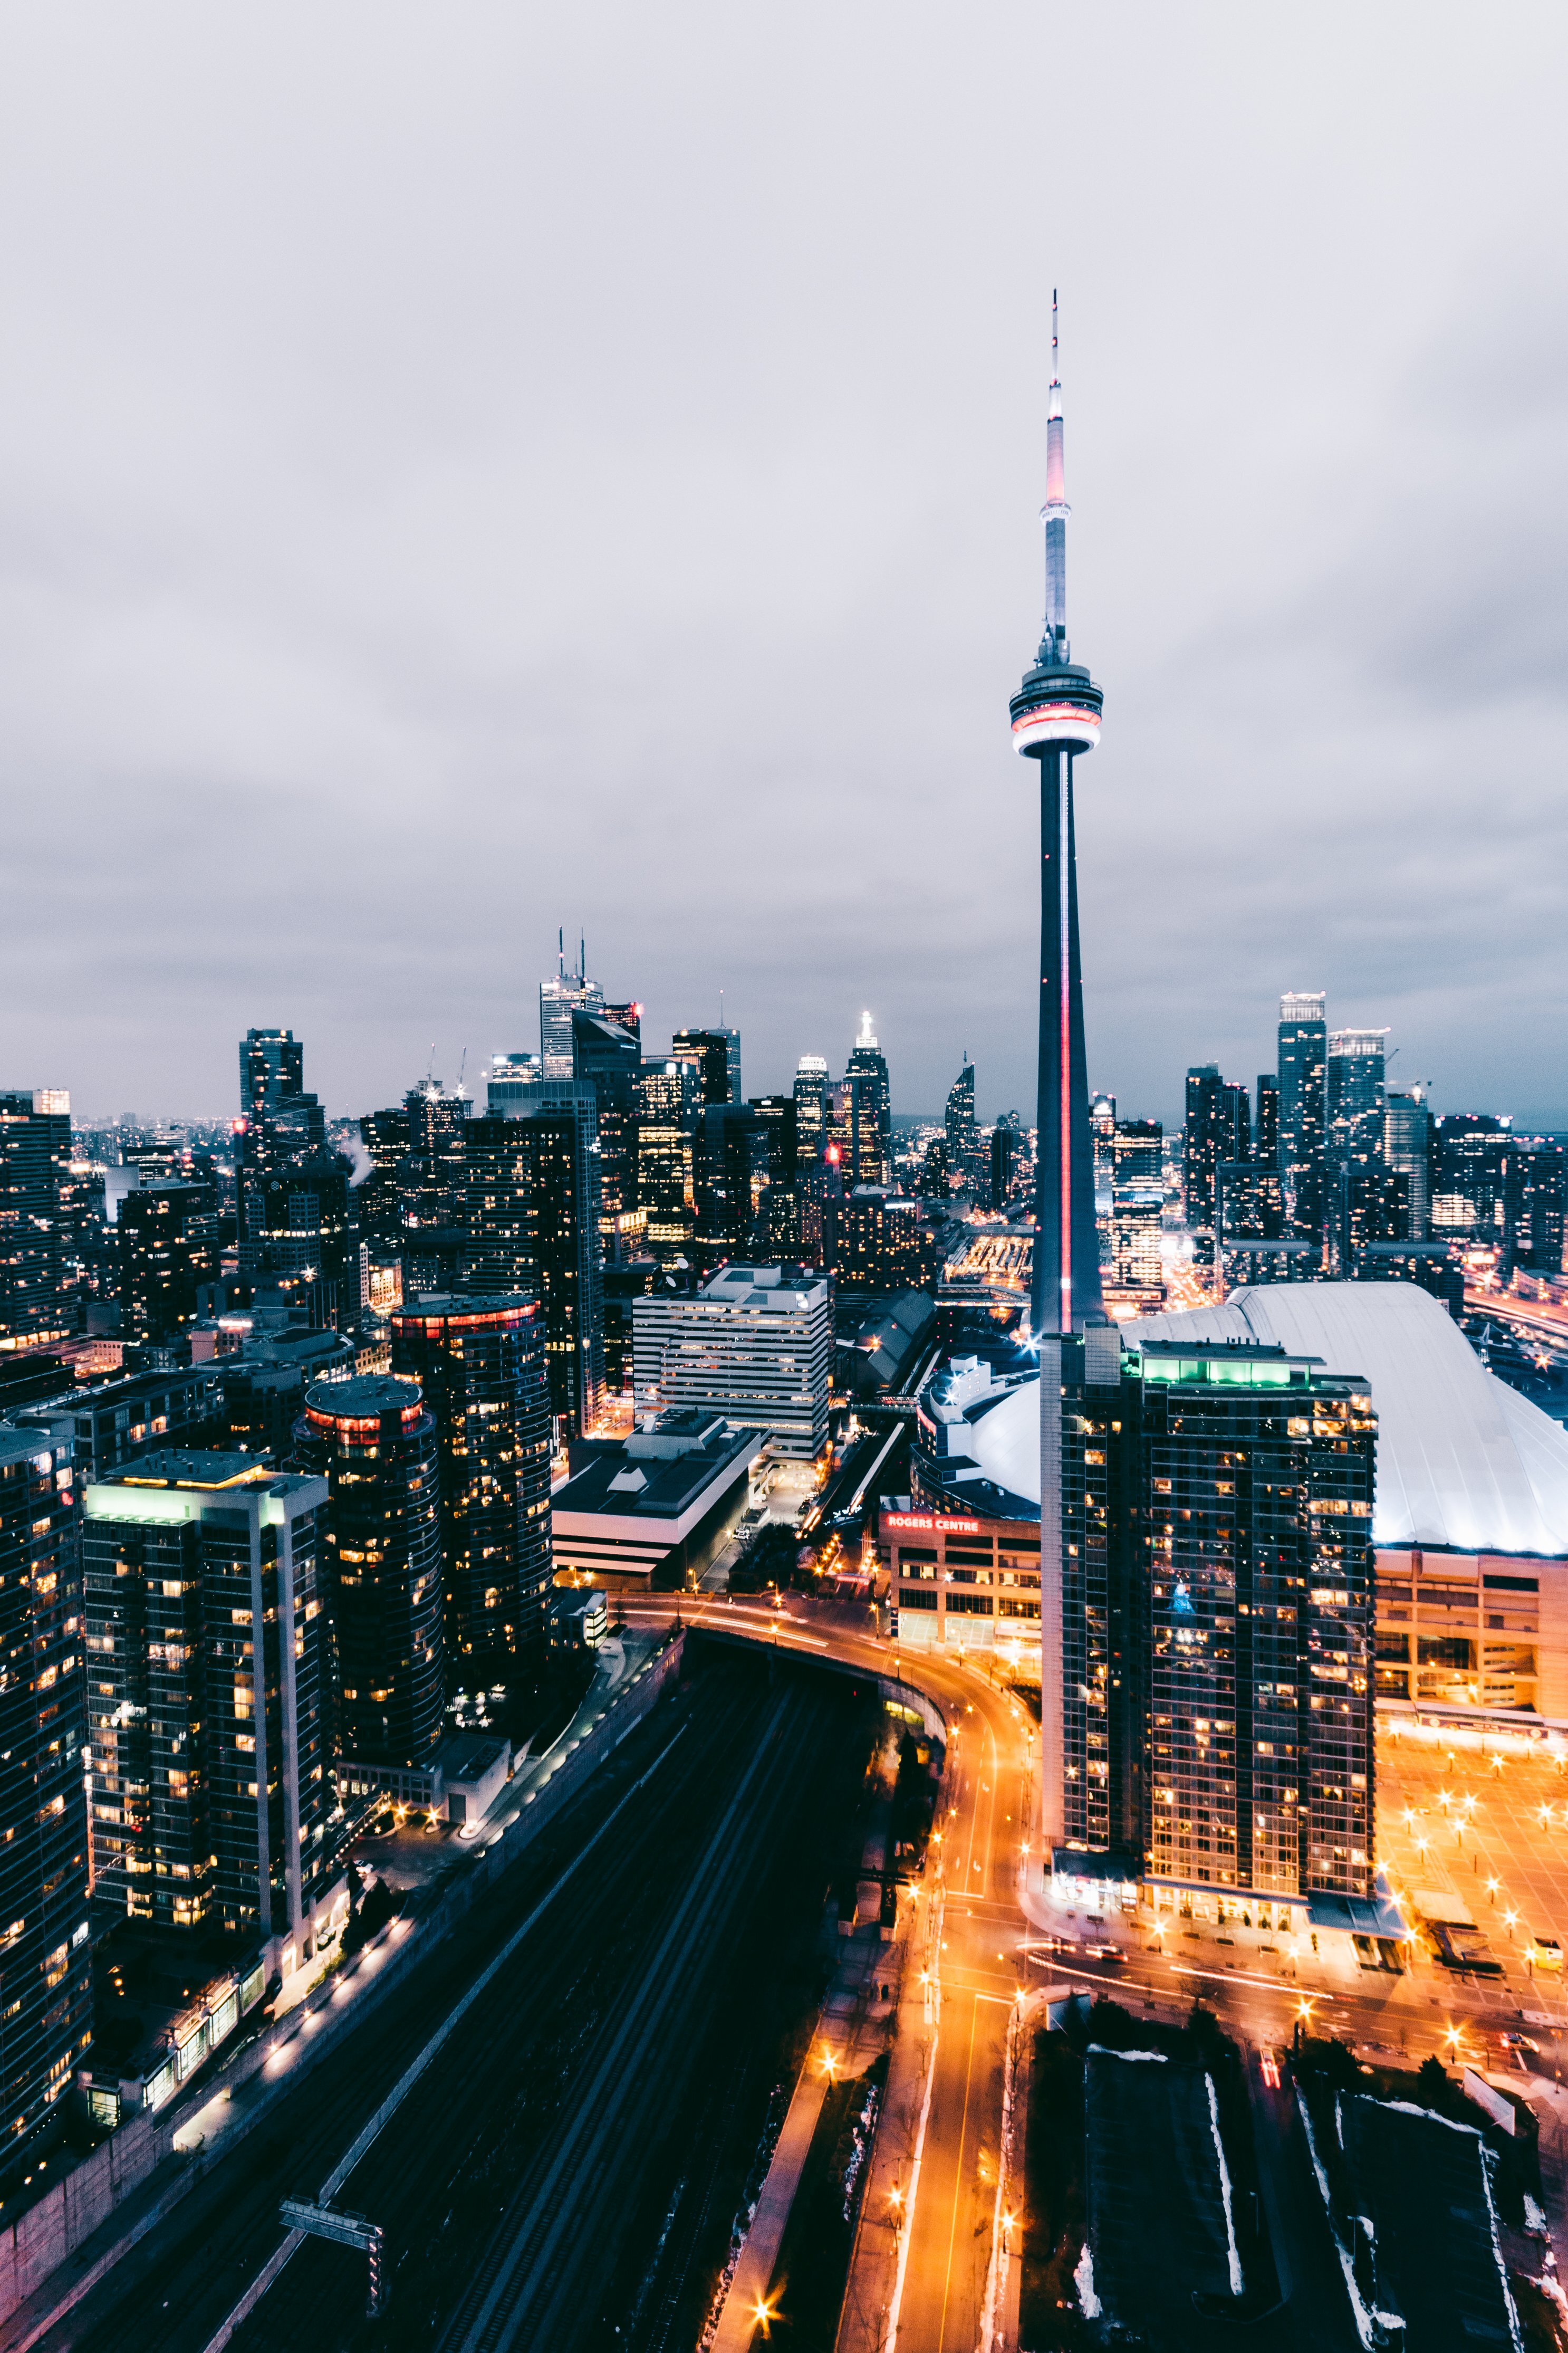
365,1398
653,1486
177,1467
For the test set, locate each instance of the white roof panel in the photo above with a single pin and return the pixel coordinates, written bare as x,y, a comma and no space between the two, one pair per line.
1463,1461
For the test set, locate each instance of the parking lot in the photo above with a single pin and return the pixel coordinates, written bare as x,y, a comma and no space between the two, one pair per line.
1487,1826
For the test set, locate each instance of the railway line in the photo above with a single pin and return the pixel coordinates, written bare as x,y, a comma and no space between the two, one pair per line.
571,2158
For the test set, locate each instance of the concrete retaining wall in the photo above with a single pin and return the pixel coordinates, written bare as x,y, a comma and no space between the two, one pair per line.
48,2233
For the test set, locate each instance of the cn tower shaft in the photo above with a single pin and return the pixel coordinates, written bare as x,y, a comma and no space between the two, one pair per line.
1056,716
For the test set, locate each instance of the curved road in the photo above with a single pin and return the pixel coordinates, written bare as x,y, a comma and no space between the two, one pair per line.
972,1892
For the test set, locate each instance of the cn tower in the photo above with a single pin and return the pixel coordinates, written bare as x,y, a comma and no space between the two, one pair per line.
1056,717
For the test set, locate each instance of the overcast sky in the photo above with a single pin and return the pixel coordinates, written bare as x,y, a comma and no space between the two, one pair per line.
469,470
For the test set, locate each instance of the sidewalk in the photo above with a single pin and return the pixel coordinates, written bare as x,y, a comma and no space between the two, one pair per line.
873,2264
854,2025
738,2321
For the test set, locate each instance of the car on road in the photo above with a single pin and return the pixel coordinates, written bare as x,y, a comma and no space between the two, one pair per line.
1269,2066
1105,1952
1545,1952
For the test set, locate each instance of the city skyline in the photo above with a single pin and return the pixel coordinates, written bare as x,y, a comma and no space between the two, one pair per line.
309,575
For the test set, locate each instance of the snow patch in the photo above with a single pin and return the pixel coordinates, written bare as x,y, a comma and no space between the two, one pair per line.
1083,2280
1231,2248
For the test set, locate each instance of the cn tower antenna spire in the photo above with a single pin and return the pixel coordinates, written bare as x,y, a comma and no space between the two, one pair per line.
1054,514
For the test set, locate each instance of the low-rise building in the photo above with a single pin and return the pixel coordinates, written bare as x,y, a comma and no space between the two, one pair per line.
579,1618
113,1422
754,1344
656,1507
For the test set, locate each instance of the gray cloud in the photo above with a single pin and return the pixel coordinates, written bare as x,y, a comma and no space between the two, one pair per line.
462,475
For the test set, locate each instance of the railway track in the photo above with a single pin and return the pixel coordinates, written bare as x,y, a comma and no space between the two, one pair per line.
525,2182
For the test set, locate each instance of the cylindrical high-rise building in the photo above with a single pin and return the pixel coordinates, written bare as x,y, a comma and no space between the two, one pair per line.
374,1438
480,1364
1056,716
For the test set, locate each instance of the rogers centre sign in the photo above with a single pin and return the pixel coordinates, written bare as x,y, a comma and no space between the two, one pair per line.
929,1525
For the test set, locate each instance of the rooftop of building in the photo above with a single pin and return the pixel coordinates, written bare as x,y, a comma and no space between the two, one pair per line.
1463,1461
778,1290
194,1467
462,1307
365,1398
982,1427
655,1473
16,1445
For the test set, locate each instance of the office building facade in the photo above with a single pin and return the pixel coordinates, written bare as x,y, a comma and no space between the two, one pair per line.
867,1063
730,1170
168,1248
280,1124
667,1104
45,1973
559,1000
714,1056
609,1059
210,1681
1355,1094
375,1442
962,1132
1303,1110
481,1365
531,1224
35,1171
810,1084
1219,1607
778,1117
754,1343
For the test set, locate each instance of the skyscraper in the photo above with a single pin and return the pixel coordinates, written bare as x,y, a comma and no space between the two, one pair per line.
280,1124
1135,1269
811,1109
854,1126
779,1118
307,1224
211,1694
35,1162
609,1059
668,1104
530,1224
963,1134
1355,1097
1407,1147
1218,1130
167,1236
731,1173
45,1973
374,1440
1056,717
559,999
1217,1682
1303,1110
868,1061
715,1056
480,1361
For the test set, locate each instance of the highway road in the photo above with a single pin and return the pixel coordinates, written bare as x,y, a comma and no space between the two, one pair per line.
569,2166
952,2206
988,1949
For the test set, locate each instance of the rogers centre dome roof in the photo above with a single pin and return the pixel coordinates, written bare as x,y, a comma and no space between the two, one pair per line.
1463,1461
